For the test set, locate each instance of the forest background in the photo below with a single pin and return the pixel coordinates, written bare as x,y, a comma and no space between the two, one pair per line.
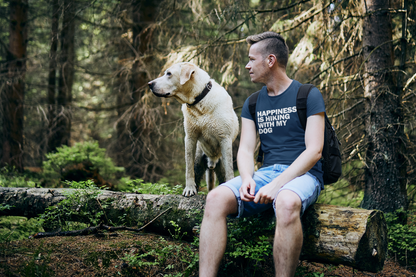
77,71
74,74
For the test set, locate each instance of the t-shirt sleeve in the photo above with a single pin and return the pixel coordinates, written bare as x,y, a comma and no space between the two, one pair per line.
315,103
245,112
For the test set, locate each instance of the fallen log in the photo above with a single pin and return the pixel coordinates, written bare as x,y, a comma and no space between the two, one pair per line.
135,209
340,235
332,234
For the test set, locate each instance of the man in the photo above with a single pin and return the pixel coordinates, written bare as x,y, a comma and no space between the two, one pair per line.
290,179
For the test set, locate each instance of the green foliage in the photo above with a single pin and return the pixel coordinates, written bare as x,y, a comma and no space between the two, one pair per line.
177,234
80,152
10,177
80,208
402,237
18,228
177,260
248,244
256,251
5,207
138,186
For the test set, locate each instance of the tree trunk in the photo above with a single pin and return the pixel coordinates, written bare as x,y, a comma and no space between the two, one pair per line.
122,148
13,96
385,187
353,237
51,140
66,76
133,133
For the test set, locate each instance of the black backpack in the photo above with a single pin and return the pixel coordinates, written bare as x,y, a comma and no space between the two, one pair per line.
331,155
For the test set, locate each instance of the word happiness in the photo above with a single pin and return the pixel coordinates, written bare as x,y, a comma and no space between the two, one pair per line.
269,119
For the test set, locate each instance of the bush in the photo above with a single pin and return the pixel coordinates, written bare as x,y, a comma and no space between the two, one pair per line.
81,152
402,237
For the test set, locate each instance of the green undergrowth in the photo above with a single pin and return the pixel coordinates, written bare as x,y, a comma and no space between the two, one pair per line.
173,259
139,186
248,252
18,227
80,209
402,237
10,177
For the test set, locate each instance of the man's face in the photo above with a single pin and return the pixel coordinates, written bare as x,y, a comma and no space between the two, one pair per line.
257,64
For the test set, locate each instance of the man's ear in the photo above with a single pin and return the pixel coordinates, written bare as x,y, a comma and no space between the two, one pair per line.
186,72
271,60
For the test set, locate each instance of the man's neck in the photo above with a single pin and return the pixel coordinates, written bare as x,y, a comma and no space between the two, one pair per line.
278,84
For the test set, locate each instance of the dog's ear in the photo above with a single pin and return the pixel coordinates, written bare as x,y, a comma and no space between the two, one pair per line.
186,72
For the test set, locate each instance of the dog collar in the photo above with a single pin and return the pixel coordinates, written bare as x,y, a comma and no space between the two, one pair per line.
202,95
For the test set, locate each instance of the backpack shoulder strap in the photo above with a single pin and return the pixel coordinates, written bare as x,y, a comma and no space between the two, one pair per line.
252,101
301,101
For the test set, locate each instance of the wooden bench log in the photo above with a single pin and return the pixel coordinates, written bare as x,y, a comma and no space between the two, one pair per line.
340,235
332,234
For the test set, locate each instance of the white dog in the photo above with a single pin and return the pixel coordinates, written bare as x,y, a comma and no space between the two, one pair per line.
211,124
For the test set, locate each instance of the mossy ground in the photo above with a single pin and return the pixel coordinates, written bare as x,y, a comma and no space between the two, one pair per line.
102,255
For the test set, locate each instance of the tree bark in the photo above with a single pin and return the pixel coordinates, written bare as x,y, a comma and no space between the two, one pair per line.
51,140
337,235
341,235
134,136
66,77
123,89
12,99
385,187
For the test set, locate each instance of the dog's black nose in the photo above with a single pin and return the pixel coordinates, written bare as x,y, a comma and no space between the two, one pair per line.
151,84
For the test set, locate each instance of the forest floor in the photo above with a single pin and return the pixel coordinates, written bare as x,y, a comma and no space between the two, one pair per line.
111,254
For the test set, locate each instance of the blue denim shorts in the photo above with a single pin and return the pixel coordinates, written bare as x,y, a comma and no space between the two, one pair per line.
306,186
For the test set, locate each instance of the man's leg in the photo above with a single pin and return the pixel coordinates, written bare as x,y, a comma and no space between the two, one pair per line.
288,235
213,237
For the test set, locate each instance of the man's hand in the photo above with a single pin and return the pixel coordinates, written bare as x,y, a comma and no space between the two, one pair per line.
266,194
247,189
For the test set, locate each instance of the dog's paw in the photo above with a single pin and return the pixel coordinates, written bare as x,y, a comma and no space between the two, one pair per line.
189,191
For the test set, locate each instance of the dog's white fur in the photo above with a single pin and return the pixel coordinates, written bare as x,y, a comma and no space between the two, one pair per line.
211,126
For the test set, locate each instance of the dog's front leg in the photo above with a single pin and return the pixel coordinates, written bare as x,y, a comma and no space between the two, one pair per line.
190,149
227,158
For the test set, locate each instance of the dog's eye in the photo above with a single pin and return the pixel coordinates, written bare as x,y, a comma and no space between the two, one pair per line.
168,74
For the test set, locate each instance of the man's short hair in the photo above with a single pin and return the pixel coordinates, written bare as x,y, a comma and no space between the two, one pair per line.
273,44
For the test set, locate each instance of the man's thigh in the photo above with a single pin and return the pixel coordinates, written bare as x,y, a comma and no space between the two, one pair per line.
262,177
221,200
306,187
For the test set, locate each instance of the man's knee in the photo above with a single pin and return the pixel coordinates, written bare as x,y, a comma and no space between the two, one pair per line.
220,201
288,206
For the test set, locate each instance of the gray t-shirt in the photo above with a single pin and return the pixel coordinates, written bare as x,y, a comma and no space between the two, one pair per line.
281,133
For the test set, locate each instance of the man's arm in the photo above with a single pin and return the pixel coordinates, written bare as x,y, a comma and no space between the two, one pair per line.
245,160
314,141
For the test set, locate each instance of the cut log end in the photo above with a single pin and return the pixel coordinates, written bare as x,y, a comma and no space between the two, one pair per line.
372,249
353,237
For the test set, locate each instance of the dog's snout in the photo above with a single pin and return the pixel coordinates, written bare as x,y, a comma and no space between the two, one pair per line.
151,85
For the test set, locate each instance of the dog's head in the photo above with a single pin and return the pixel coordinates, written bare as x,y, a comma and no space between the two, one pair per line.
181,81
